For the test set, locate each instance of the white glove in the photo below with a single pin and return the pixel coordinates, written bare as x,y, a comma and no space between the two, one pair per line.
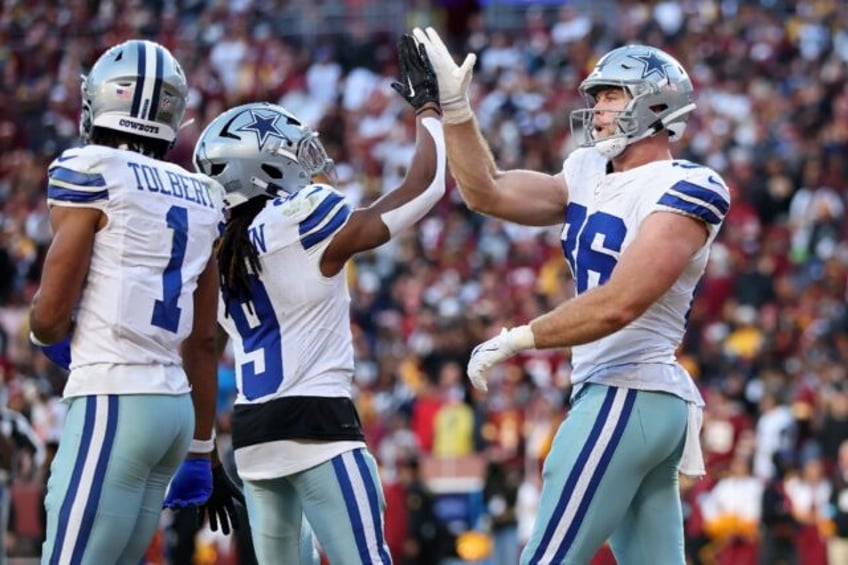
453,79
497,349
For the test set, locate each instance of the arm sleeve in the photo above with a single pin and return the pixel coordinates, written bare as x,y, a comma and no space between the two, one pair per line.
406,215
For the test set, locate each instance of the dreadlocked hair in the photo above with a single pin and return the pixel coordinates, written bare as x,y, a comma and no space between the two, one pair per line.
237,258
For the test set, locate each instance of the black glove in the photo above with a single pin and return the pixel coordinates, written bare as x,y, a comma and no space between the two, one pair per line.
417,82
220,507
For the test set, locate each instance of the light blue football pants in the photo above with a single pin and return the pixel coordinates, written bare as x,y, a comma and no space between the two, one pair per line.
612,474
108,480
343,501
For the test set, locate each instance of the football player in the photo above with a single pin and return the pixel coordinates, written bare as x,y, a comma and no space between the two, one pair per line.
298,441
638,225
130,279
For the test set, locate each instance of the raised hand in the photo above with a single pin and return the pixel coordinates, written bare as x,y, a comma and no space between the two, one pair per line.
417,82
453,79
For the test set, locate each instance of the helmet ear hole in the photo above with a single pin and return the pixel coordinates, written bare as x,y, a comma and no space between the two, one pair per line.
272,171
216,169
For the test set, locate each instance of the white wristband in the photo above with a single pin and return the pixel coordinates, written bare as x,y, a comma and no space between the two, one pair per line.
522,338
36,341
202,445
456,111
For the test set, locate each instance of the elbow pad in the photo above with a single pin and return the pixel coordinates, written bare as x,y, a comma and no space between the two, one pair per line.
407,214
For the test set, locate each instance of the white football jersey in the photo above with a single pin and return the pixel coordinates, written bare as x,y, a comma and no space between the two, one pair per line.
137,302
293,338
603,216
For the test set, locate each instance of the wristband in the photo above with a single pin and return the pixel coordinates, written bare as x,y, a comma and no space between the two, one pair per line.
522,338
36,341
456,111
202,445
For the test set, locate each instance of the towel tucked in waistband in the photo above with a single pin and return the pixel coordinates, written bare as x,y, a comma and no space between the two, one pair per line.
692,462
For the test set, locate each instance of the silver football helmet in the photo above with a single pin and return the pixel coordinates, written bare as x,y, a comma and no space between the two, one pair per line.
661,97
135,87
259,149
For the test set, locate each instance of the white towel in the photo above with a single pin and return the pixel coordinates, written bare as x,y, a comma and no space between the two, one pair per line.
692,462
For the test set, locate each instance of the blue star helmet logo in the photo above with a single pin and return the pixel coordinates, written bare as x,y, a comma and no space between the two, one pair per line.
263,126
653,64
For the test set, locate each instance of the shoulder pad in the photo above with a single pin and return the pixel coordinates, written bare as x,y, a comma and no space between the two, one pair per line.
700,193
76,176
319,211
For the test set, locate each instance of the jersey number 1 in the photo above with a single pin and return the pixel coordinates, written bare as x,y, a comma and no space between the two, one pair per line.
166,312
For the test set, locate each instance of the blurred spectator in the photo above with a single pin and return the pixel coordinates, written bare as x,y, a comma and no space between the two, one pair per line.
779,527
731,514
500,495
775,434
837,544
809,493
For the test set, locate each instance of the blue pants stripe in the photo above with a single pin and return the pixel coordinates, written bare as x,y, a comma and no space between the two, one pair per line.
67,504
373,503
99,477
352,508
598,474
571,483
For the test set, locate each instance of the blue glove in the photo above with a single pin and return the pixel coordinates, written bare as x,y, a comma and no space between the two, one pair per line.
191,485
59,353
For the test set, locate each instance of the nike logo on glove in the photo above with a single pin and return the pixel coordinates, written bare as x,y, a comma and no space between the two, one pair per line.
411,88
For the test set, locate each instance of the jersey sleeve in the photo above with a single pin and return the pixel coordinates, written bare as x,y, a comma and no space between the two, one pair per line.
701,195
323,211
76,178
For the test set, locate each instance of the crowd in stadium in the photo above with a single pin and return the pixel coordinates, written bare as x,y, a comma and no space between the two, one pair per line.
768,332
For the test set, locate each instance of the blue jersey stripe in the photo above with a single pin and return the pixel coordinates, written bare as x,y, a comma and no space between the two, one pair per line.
696,210
697,192
71,176
69,195
574,475
90,512
329,228
157,85
139,84
352,508
597,475
373,503
318,214
73,484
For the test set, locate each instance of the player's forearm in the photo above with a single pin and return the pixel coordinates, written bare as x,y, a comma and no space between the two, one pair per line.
49,325
472,164
424,184
591,316
200,361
